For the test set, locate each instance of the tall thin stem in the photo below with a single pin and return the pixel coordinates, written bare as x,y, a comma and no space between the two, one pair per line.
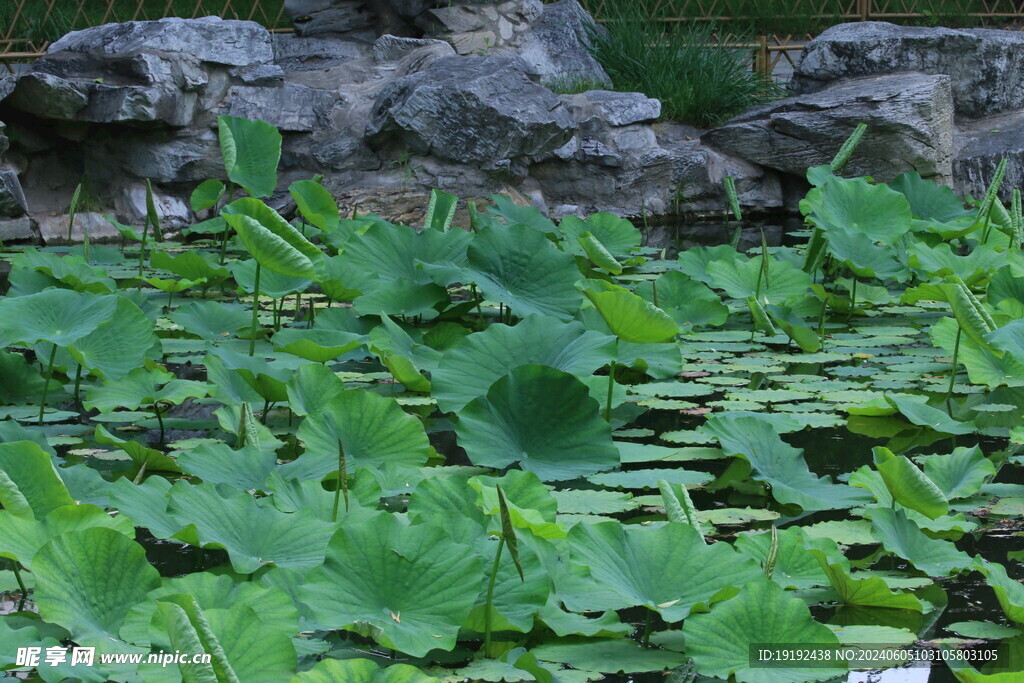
46,383
611,386
952,372
488,605
255,311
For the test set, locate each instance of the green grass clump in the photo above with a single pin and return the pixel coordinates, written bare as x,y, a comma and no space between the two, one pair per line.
682,65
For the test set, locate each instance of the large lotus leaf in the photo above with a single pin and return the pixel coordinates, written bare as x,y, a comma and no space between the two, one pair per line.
141,388
959,474
631,561
468,370
119,345
211,319
191,265
21,539
902,537
918,412
940,261
908,485
373,430
695,261
22,382
385,252
216,463
58,316
867,258
983,366
617,235
687,301
529,502
274,285
251,151
361,671
412,587
316,204
856,206
867,592
761,614
1009,339
271,240
254,535
512,213
929,200
1009,592
739,278
542,418
87,580
312,387
1005,284
522,269
754,438
146,505
795,566
608,656
34,271
404,357
318,346
449,503
29,484
309,496
400,297
515,600
248,378
143,457
630,317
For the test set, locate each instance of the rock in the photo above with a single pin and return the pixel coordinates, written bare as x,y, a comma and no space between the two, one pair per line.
317,17
12,199
49,96
339,151
174,213
18,231
187,156
290,107
985,66
557,47
305,53
7,84
596,107
474,109
980,146
389,48
5,143
54,229
910,128
260,74
480,28
210,39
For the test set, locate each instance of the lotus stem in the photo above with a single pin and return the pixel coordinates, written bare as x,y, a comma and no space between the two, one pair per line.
342,486
611,386
821,320
952,372
46,383
255,312
160,421
490,598
853,299
21,587
78,381
647,629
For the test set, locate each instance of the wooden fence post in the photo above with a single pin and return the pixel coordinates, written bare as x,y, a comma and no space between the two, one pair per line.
864,9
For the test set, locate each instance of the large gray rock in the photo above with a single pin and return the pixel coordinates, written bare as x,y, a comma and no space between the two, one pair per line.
290,107
910,128
986,67
557,46
12,198
54,229
389,48
18,231
295,53
604,107
317,17
210,39
187,156
482,110
480,27
981,145
131,206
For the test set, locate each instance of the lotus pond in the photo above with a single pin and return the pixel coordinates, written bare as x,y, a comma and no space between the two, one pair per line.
322,448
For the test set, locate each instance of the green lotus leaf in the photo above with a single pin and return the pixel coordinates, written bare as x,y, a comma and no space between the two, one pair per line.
318,346
762,614
959,474
142,456
140,388
468,370
211,319
795,328
795,566
687,301
530,503
917,411
599,256
30,487
515,214
57,316
608,656
34,271
404,358
87,580
629,562
384,253
440,210
516,600
316,204
1009,339
1005,283
311,388
452,500
356,586
908,485
867,258
982,630
361,671
563,623
857,206
249,378
400,297
983,366
119,345
216,463
191,265
22,382
929,200
522,269
272,284
1009,592
542,418
753,437
251,151
22,538
206,194
902,537
254,535
617,235
739,278
865,592
940,261
271,240
630,317
146,505
374,431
